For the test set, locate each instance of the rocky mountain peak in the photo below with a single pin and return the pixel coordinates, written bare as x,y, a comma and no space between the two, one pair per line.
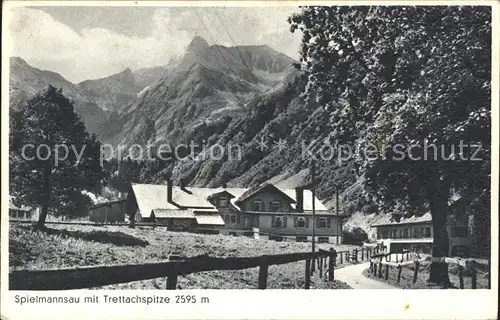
18,60
198,44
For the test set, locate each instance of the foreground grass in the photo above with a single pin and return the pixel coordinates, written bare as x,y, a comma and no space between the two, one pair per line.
406,281
71,246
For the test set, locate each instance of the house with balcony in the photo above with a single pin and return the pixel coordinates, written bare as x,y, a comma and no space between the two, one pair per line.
265,212
416,232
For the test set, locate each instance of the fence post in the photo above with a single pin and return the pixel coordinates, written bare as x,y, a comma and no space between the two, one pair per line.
415,274
402,256
362,254
380,268
356,255
375,268
407,255
341,254
474,276
461,276
333,256
400,268
320,267
489,273
308,274
386,271
263,271
172,281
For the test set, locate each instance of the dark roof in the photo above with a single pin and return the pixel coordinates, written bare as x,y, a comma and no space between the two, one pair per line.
216,194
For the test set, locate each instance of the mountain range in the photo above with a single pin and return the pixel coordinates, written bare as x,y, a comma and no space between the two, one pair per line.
230,96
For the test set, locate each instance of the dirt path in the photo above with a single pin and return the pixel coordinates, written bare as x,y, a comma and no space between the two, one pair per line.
353,276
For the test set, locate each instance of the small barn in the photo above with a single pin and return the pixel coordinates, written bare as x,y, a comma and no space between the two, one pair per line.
112,211
22,212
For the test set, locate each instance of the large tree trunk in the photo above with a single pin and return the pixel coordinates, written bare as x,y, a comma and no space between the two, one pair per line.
42,217
438,202
45,196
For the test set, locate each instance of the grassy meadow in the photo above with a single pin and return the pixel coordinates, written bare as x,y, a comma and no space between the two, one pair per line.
80,245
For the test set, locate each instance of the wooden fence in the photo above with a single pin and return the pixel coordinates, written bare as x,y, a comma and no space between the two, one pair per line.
377,263
96,276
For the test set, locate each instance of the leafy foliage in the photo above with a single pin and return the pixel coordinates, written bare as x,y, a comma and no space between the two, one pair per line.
406,77
37,177
355,236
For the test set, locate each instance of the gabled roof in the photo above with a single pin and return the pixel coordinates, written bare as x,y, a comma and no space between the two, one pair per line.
151,196
252,191
220,193
307,200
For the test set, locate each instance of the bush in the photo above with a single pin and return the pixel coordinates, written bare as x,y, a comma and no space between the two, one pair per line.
370,208
355,236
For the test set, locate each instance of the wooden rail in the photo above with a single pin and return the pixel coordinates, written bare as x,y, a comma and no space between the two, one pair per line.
463,264
96,276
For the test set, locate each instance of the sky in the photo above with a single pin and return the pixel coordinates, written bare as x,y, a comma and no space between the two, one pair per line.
84,43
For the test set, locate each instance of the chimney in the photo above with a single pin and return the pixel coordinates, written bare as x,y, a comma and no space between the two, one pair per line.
183,186
224,185
299,196
169,193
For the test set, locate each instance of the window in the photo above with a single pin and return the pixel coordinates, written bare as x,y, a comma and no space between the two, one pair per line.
385,234
301,238
223,202
427,233
234,219
275,206
323,240
405,233
278,222
257,206
393,233
323,223
417,233
379,235
300,222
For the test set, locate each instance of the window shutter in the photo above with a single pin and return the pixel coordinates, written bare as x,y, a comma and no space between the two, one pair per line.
295,220
307,222
284,221
238,218
318,221
328,222
272,221
262,206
